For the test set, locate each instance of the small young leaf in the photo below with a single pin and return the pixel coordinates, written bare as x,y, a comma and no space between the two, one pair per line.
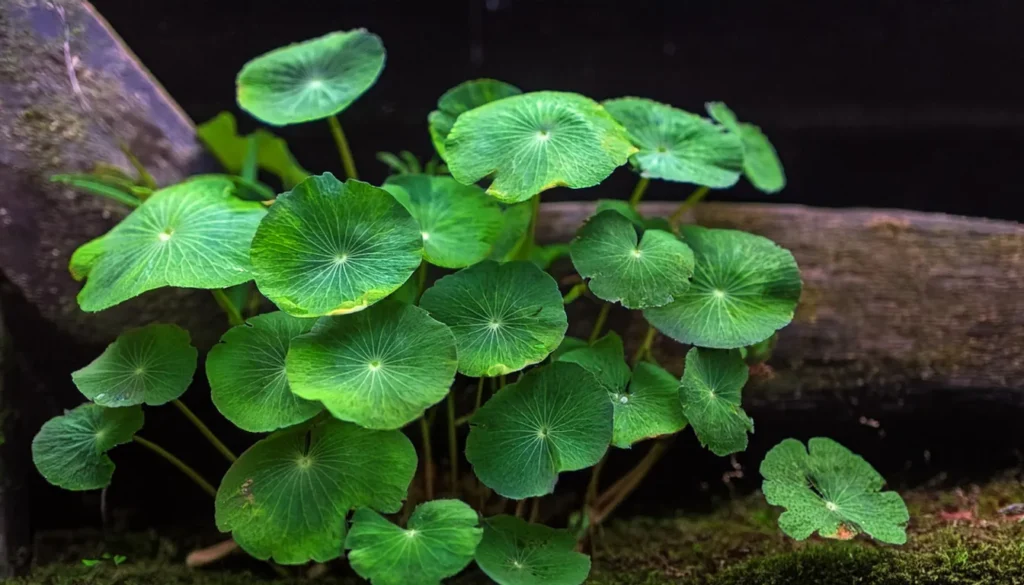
119,559
220,135
194,234
678,146
98,186
504,316
605,360
150,365
515,223
379,368
85,257
710,392
831,490
744,288
553,419
534,142
761,163
461,99
621,207
514,552
90,562
440,541
287,496
247,375
70,450
310,80
329,248
639,273
459,223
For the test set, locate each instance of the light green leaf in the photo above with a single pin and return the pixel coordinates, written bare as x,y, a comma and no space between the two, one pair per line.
329,248
514,552
247,377
195,234
220,135
85,257
504,316
744,289
461,99
678,146
515,223
287,496
553,419
459,223
638,272
621,207
545,256
650,409
711,394
70,450
310,80
832,491
440,541
379,368
535,142
761,163
605,360
100,185
150,365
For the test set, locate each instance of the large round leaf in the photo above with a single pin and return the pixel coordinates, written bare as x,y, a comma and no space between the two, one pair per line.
504,316
710,392
150,365
379,368
761,164
514,552
310,80
461,99
194,234
287,496
247,377
440,540
553,419
678,146
744,289
328,247
638,272
459,223
70,450
534,142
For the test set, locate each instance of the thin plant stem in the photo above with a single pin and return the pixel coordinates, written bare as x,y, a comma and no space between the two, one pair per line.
250,164
696,197
453,446
428,459
421,279
343,149
534,510
144,176
181,465
602,316
520,508
529,242
479,394
607,502
638,192
645,347
206,432
595,480
574,293
229,308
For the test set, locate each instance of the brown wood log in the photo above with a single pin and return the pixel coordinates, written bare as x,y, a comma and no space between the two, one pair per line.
892,300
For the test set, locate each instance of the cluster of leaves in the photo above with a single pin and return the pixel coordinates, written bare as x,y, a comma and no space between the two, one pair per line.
360,347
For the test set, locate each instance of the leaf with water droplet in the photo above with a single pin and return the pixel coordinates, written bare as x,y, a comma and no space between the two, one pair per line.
711,395
514,552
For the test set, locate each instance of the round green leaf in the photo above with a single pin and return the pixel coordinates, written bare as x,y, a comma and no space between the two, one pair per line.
638,272
710,392
553,419
440,541
829,489
150,365
85,257
70,450
459,223
650,409
642,223
247,376
535,142
461,99
744,289
515,225
310,80
514,552
379,368
504,316
761,163
678,146
329,248
194,234
287,496
605,360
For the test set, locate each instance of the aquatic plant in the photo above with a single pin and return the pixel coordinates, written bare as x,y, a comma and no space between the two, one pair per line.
365,345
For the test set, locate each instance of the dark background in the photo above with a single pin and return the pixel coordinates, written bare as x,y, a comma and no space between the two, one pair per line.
914,104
